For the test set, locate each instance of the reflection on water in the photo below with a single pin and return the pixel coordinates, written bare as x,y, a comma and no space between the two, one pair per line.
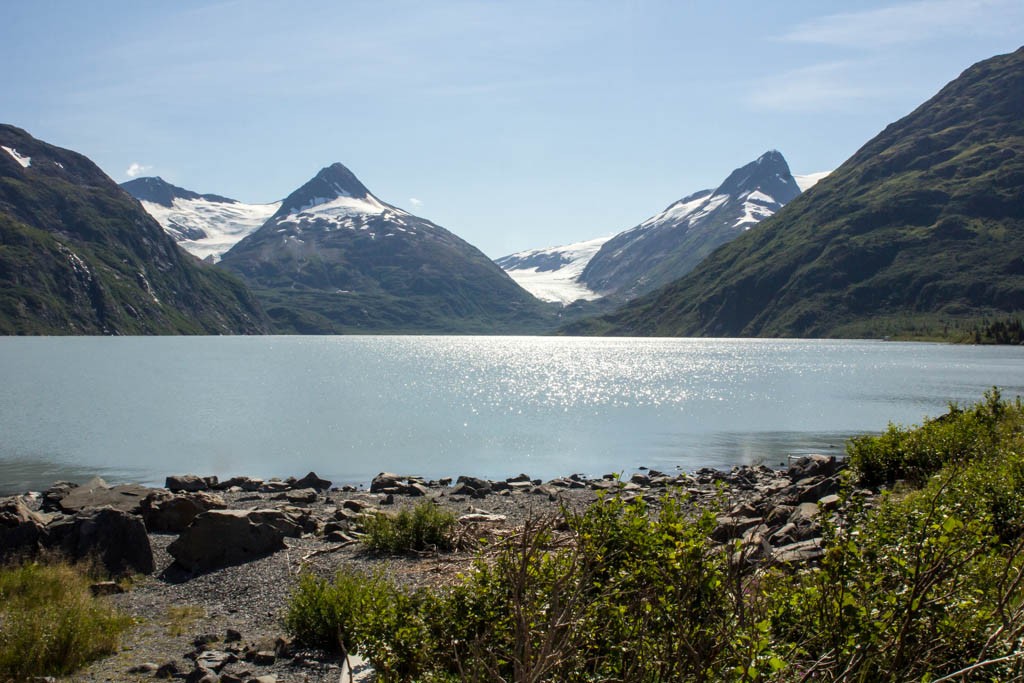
349,407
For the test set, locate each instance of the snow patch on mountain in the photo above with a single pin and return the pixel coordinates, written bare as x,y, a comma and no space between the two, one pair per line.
806,182
551,274
23,160
207,228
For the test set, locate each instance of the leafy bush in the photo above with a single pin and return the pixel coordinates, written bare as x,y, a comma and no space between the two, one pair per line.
50,624
425,527
924,584
959,436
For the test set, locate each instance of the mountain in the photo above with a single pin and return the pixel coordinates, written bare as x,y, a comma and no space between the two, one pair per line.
335,258
919,232
206,225
552,274
78,255
670,244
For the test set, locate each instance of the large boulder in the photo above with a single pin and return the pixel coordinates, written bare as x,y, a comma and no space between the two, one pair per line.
186,482
115,538
173,512
96,493
219,538
22,531
312,481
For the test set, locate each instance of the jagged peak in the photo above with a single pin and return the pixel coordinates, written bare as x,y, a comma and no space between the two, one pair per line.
330,183
769,173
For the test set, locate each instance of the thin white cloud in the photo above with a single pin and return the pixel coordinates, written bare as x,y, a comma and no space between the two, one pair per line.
136,169
415,202
908,23
821,87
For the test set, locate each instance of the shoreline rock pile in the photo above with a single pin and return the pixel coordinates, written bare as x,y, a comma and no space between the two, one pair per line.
198,531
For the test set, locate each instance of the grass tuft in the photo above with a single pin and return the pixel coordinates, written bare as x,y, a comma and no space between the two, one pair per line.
50,624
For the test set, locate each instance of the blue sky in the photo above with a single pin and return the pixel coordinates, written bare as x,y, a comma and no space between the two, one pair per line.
513,124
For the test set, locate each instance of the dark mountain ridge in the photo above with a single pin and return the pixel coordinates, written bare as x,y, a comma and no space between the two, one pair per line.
157,190
919,232
672,243
79,255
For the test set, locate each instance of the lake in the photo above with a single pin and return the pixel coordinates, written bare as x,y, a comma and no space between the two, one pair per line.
138,409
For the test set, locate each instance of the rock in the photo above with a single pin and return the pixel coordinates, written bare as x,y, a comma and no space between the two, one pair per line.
274,486
288,523
805,512
813,466
53,495
520,478
264,657
385,480
215,660
733,527
301,496
244,483
829,502
265,678
115,538
96,493
812,489
168,512
232,636
185,482
800,552
312,481
219,538
482,518
22,531
201,675
168,670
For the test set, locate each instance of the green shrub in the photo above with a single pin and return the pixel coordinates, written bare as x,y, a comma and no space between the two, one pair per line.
50,624
425,527
923,584
959,436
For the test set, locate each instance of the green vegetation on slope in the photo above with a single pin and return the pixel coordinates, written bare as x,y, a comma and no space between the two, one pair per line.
922,584
920,231
78,255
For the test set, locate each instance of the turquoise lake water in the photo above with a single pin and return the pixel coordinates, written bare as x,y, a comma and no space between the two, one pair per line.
138,409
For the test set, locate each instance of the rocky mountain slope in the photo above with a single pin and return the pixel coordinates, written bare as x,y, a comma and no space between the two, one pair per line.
78,255
665,246
920,230
335,258
206,225
670,244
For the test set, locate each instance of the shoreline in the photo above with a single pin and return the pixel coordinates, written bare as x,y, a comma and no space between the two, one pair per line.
234,609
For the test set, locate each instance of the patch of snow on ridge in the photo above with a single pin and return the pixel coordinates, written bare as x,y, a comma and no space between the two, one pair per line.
339,208
806,182
559,285
23,160
222,225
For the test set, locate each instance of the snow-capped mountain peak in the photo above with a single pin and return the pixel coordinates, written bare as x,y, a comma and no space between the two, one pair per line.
332,182
335,199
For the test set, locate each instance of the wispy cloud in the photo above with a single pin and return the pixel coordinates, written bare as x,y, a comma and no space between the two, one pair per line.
136,169
821,87
415,202
906,23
